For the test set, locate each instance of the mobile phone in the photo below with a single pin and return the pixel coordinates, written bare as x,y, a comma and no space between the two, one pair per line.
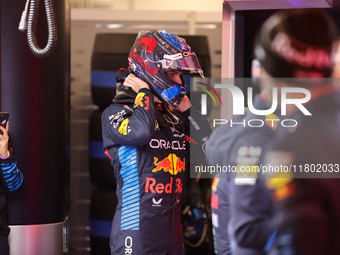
4,116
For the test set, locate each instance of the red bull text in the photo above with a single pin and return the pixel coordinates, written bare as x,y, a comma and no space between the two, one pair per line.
152,186
145,63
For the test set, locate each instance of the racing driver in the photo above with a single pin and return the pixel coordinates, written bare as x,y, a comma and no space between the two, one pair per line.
148,144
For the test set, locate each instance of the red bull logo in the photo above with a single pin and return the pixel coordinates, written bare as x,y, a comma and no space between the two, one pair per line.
148,44
152,186
171,164
145,63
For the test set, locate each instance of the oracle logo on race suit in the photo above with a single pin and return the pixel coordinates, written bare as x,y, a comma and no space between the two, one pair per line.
162,144
152,186
148,44
128,245
171,164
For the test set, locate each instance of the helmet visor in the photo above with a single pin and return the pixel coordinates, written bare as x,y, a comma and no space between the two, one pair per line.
186,61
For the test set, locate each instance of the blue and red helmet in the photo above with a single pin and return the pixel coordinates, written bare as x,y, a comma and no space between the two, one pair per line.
154,53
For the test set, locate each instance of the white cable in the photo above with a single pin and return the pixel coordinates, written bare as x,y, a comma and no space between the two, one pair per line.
23,20
28,24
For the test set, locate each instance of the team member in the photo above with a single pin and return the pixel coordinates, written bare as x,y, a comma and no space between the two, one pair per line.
308,210
283,48
291,44
232,199
11,180
220,145
149,145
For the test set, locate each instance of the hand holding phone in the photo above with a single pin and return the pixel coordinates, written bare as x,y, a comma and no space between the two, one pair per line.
4,136
4,116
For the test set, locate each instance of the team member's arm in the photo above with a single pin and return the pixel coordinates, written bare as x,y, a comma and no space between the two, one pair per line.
251,205
251,220
11,176
304,220
130,126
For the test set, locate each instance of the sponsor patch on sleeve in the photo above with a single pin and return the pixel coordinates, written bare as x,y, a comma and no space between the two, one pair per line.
124,128
117,118
281,185
142,101
245,181
128,107
214,219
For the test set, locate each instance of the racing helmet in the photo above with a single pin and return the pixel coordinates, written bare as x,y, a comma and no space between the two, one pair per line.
297,43
154,53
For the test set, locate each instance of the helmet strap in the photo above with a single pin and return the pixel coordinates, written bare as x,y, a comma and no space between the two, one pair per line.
124,94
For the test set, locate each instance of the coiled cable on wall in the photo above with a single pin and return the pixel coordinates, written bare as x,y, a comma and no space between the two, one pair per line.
29,25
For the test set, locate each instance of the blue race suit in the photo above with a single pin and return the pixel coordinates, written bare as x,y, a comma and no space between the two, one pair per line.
148,146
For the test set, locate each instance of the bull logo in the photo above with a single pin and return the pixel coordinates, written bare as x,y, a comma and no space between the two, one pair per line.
171,164
148,44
